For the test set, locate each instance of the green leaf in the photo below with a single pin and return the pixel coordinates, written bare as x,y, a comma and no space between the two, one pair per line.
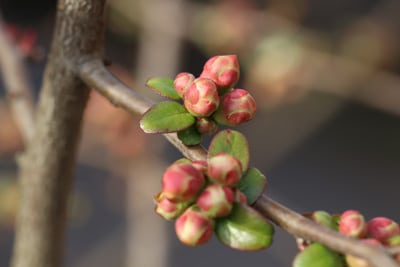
190,136
231,142
244,229
252,184
166,117
163,86
318,255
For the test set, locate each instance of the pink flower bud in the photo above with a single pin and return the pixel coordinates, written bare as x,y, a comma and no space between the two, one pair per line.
224,169
352,224
206,126
240,197
182,82
194,228
216,200
382,228
168,209
201,165
236,107
223,70
201,98
182,182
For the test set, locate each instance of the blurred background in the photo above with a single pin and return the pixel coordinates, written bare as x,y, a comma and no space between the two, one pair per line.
326,77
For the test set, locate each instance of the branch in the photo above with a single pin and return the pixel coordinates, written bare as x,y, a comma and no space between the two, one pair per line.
97,76
47,166
19,91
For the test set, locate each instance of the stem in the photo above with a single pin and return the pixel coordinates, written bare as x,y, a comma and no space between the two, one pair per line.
18,88
298,225
47,166
96,75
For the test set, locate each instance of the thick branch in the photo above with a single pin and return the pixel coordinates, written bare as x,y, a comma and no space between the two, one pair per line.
48,165
19,92
97,76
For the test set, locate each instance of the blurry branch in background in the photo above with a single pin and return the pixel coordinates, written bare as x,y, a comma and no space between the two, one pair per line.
18,88
246,28
97,76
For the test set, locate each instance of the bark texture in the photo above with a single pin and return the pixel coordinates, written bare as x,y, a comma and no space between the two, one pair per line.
48,165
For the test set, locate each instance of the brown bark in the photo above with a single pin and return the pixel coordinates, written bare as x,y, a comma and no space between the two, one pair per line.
48,165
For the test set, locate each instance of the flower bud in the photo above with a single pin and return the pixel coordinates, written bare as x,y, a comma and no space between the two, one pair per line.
206,126
216,200
393,241
182,82
324,218
182,182
194,228
224,169
352,224
382,228
240,197
223,70
201,165
168,209
201,98
236,107
353,261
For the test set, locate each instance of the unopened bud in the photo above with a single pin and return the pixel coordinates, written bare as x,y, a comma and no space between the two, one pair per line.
206,126
224,169
216,200
182,182
240,197
193,227
236,107
223,70
167,209
182,82
382,228
393,241
201,98
352,224
324,218
201,165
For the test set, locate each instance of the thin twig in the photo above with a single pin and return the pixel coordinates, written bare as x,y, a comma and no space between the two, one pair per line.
298,225
97,76
18,88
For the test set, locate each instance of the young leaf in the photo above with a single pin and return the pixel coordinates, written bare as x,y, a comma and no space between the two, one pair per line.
163,86
244,229
190,136
231,142
166,117
252,184
317,255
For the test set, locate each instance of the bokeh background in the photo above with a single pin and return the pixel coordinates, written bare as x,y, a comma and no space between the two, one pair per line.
325,74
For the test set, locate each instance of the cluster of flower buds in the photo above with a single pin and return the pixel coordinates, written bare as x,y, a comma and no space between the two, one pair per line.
379,231
195,193
211,97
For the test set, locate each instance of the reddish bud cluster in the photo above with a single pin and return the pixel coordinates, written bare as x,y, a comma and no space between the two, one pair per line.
197,192
211,96
379,231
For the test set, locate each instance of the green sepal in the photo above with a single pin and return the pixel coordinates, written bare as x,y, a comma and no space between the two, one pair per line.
163,86
190,136
244,229
252,184
232,142
166,117
318,255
